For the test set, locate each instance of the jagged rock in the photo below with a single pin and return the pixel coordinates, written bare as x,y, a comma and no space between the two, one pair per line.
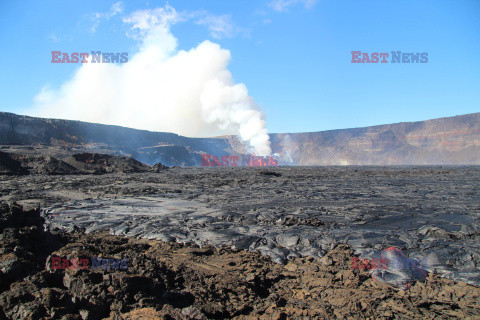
173,280
10,166
368,208
158,167
104,163
42,164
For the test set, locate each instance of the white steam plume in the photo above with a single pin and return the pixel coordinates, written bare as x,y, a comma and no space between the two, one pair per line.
161,89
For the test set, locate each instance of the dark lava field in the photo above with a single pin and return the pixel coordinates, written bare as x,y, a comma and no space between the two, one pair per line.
431,213
286,214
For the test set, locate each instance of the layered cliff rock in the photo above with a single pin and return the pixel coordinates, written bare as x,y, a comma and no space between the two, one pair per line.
444,141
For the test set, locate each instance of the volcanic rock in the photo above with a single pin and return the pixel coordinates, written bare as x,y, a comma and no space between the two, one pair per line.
10,166
443,141
314,220
173,280
104,163
158,167
41,164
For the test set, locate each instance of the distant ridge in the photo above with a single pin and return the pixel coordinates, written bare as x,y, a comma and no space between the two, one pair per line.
65,135
443,141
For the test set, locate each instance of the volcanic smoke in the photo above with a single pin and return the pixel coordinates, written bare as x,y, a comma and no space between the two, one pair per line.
161,88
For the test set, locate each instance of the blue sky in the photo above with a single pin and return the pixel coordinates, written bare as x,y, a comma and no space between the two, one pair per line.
293,56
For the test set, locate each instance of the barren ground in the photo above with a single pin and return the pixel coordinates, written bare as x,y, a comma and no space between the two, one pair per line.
311,220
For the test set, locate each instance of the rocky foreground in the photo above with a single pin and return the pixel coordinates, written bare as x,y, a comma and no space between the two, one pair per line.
299,229
177,281
430,213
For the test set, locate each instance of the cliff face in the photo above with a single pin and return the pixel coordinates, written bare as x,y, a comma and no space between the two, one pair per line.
65,137
453,140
